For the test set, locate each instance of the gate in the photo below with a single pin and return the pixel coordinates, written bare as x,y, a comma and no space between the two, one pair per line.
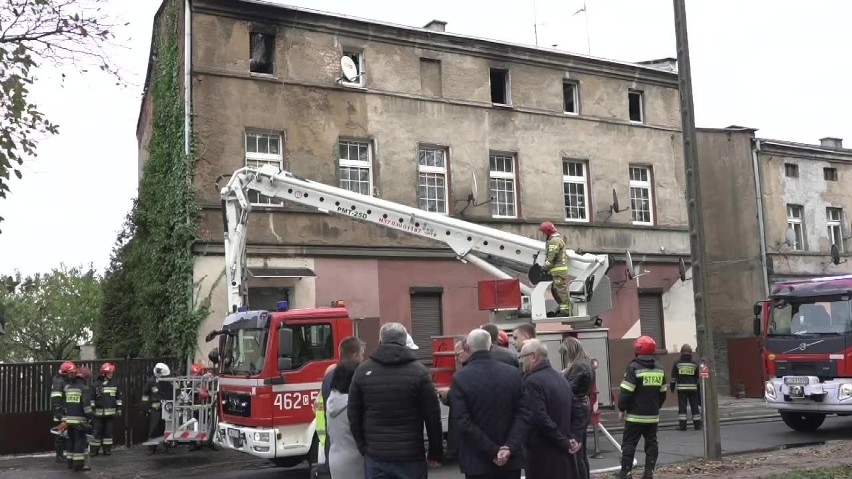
25,414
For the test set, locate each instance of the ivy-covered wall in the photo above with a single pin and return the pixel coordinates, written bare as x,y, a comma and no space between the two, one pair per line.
149,305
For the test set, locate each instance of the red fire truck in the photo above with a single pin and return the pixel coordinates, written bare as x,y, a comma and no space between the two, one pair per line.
271,363
807,349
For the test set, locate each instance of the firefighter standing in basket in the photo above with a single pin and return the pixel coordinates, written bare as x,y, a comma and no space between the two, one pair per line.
63,377
106,403
78,412
556,264
685,382
152,395
643,392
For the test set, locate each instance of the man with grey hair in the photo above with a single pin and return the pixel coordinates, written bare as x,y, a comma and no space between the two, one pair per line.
391,398
550,445
491,422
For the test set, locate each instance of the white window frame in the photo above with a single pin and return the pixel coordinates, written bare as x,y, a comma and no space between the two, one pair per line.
834,220
350,163
503,175
641,106
568,179
257,159
359,83
576,90
797,224
441,172
643,184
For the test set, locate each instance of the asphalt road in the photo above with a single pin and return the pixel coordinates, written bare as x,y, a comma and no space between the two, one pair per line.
675,446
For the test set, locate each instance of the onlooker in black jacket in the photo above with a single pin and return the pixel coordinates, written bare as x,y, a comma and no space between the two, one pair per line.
391,397
581,376
504,355
551,445
490,414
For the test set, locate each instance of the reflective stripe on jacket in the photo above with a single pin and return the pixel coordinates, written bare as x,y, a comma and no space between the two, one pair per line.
556,260
685,374
643,390
77,402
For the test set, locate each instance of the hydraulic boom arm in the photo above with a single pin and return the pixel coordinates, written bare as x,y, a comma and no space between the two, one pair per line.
463,237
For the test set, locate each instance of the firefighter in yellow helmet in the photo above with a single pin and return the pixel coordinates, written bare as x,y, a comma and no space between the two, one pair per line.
556,264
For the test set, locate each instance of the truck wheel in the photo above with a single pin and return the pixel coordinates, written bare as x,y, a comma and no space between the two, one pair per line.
803,421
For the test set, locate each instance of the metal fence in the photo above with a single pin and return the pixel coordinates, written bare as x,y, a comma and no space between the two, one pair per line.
25,414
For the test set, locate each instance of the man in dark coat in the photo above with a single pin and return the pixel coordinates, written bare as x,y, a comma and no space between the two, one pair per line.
492,422
550,445
504,355
392,396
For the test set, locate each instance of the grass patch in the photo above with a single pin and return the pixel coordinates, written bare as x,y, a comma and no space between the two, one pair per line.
841,472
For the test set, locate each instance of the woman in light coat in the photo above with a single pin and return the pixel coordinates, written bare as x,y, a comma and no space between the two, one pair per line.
344,460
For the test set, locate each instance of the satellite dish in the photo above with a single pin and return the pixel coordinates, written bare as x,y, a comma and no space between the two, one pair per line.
347,66
835,254
474,190
631,271
682,270
613,208
790,237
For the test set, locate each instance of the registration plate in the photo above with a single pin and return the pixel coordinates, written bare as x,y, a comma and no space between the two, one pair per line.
796,380
235,433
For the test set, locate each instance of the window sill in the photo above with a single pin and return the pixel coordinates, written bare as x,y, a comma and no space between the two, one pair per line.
571,113
574,220
633,122
638,223
264,76
505,106
354,86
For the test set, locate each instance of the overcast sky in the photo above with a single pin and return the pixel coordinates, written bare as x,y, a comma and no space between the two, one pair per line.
781,66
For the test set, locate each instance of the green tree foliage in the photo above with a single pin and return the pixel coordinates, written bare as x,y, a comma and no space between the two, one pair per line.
153,260
36,33
47,315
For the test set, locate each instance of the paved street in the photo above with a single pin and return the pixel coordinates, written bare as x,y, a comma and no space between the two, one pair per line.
676,446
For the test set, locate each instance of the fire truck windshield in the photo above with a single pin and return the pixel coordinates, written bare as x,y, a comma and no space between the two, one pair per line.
820,316
246,350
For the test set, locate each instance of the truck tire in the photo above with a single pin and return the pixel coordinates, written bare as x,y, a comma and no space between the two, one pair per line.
803,421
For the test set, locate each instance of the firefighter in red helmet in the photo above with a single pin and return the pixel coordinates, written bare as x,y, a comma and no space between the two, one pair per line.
643,392
63,376
107,404
78,411
556,264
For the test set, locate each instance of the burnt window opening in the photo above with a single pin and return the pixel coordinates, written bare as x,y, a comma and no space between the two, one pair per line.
634,99
262,47
791,170
830,174
569,97
499,86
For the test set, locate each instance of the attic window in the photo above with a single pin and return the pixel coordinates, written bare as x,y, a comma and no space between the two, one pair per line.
791,170
499,86
262,52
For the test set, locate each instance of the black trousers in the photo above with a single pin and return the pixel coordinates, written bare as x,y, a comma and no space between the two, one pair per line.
582,457
496,475
691,397
104,427
77,444
633,431
156,426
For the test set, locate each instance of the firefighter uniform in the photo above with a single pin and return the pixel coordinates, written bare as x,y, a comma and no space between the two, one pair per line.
556,264
155,391
106,404
78,410
643,392
57,404
685,382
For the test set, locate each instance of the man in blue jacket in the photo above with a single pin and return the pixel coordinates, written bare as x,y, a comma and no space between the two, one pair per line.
489,412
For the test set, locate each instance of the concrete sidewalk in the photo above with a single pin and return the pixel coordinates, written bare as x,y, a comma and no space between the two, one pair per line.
730,410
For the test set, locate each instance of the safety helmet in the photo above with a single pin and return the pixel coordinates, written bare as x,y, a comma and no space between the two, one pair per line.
84,372
547,228
67,368
644,346
686,349
502,338
197,369
107,368
160,370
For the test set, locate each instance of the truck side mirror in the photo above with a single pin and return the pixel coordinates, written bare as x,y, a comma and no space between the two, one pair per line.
757,308
285,349
756,326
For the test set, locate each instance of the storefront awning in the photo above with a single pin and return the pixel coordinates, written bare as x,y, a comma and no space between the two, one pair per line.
281,273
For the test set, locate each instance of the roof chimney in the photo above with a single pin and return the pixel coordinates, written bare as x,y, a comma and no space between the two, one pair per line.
436,26
833,143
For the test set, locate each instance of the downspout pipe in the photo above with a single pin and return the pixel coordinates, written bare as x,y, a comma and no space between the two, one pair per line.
187,69
755,151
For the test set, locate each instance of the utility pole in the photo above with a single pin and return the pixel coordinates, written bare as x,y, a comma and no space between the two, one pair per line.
710,408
